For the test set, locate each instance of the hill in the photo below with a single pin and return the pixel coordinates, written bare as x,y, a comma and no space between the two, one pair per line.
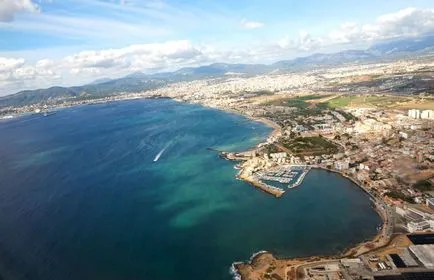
139,81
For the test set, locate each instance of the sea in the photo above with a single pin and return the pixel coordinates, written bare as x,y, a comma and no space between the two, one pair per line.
129,190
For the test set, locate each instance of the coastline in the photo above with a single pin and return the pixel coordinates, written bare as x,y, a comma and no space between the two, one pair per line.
364,247
381,239
358,249
352,251
276,131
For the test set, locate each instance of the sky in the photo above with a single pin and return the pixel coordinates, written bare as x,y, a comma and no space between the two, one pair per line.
73,42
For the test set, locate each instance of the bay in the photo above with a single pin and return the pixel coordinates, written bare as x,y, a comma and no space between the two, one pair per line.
82,198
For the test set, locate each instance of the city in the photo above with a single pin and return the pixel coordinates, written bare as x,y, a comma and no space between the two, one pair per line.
381,140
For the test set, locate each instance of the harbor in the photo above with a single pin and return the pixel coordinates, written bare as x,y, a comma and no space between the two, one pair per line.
289,176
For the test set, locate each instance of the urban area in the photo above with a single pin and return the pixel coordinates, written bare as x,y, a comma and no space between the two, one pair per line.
372,123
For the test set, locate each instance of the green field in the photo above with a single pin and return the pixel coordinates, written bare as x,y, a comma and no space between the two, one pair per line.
381,101
300,102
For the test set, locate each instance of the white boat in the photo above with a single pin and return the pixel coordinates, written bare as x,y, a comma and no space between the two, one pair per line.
157,157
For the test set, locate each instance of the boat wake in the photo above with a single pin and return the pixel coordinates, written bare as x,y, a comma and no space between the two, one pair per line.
157,157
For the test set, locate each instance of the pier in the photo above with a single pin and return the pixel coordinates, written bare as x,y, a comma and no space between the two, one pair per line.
277,192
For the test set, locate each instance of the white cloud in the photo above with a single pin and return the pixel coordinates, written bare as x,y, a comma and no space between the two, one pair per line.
8,8
303,43
251,24
403,23
85,66
136,57
9,64
16,74
45,63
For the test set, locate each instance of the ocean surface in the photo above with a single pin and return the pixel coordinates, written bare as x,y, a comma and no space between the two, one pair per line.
82,198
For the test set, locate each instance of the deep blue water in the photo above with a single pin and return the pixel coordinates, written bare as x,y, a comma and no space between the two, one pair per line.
81,198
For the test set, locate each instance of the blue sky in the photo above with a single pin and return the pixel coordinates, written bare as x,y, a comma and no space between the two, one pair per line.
68,42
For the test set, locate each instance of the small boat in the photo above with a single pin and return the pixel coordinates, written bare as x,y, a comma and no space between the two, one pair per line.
46,114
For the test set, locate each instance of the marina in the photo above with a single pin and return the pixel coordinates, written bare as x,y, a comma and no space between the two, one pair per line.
289,176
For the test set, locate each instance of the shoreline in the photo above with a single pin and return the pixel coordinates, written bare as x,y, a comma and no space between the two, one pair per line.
352,250
276,131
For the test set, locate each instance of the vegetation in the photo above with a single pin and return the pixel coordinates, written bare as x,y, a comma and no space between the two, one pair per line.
300,102
365,100
399,195
269,149
347,116
423,186
305,146
313,96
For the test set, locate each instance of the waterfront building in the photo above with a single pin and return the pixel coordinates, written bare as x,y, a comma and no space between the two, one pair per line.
342,165
418,226
363,167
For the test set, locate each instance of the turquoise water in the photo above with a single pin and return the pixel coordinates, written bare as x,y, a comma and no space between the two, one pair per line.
81,198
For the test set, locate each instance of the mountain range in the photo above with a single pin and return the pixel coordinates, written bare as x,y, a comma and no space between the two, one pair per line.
140,81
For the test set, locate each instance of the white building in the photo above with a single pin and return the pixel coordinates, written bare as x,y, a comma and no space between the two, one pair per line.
427,114
414,113
403,135
278,155
342,165
418,226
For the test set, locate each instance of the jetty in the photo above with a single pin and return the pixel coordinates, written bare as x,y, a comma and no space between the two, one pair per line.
305,170
277,192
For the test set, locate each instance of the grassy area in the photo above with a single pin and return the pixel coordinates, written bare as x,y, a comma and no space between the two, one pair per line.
382,101
313,96
310,146
422,104
375,101
300,102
